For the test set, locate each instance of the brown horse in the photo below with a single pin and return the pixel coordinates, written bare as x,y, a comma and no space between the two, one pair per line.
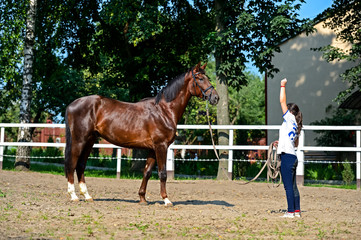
148,124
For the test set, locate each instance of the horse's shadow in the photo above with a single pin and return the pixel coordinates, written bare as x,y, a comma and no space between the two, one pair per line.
187,202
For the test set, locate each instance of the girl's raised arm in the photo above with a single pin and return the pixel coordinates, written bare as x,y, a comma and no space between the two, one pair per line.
283,101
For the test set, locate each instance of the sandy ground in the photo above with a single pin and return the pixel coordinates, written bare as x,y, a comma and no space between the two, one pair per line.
36,206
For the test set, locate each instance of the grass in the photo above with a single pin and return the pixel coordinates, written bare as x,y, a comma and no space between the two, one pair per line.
57,170
351,186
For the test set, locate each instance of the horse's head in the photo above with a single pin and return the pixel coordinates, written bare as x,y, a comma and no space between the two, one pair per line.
200,85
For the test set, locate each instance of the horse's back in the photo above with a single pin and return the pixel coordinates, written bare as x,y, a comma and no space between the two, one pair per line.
84,103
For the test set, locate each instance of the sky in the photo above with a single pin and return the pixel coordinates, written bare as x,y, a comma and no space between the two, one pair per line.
310,9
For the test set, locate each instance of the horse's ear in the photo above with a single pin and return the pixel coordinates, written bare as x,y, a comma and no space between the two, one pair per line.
204,66
198,66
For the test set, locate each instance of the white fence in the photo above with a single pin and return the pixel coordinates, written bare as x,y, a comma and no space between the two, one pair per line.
170,155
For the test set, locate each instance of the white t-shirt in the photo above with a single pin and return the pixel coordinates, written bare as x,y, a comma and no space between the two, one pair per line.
287,134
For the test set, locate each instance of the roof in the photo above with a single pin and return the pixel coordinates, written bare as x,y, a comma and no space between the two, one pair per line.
353,101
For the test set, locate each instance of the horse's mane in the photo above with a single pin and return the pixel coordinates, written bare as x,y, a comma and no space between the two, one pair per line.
172,89
174,86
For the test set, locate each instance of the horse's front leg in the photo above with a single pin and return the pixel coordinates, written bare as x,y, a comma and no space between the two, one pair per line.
146,175
161,154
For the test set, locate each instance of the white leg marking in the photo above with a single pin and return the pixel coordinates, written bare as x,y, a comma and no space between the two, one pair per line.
84,191
71,192
167,202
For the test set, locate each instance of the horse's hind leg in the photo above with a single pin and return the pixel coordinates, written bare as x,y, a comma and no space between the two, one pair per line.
76,160
146,175
80,168
70,164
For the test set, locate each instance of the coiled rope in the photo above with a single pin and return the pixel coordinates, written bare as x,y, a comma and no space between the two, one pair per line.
273,161
273,164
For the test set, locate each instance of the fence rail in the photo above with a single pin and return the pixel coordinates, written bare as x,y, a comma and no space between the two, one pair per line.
170,154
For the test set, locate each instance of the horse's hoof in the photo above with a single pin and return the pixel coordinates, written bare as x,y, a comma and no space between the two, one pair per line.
74,200
167,203
89,200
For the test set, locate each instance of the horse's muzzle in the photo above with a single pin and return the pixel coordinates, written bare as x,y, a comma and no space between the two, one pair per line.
214,98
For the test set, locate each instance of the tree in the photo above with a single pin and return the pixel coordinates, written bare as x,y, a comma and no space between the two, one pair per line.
151,42
22,161
222,89
247,105
13,18
339,117
344,17
248,30
54,83
129,49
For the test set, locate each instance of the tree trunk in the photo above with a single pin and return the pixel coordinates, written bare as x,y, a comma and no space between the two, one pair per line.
22,161
222,106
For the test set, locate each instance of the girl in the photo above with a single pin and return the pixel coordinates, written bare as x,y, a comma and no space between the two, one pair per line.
288,140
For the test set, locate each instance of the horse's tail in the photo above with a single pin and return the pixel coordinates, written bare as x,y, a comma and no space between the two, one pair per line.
67,160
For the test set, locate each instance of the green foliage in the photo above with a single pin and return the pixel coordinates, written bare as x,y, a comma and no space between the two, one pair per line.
339,117
247,105
316,171
152,50
12,22
198,168
252,30
104,161
344,18
129,50
320,172
242,169
347,174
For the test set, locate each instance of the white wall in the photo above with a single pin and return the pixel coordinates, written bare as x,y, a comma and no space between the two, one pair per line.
313,83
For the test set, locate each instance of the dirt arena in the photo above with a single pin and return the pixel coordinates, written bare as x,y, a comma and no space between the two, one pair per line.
36,206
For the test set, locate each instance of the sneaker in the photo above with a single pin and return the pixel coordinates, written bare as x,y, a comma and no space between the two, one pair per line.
288,215
298,214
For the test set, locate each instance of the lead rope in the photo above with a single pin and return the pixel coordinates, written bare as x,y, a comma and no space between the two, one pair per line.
211,132
214,146
273,162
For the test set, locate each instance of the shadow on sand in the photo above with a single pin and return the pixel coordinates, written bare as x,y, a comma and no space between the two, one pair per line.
188,202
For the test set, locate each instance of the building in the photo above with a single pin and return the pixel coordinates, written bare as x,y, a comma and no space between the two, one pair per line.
313,83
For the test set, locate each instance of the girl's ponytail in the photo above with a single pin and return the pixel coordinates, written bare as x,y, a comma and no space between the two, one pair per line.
293,108
299,122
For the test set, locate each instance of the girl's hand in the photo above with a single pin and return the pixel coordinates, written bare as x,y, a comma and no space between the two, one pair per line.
283,82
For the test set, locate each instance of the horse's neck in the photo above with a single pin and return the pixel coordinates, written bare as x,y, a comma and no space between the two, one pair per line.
178,105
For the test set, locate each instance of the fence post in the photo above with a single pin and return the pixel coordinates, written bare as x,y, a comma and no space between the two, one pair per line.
358,159
119,162
2,139
301,159
230,155
170,162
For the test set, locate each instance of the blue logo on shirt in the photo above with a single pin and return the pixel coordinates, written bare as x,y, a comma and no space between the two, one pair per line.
293,132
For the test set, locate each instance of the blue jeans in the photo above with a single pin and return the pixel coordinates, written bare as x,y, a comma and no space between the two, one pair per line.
288,171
